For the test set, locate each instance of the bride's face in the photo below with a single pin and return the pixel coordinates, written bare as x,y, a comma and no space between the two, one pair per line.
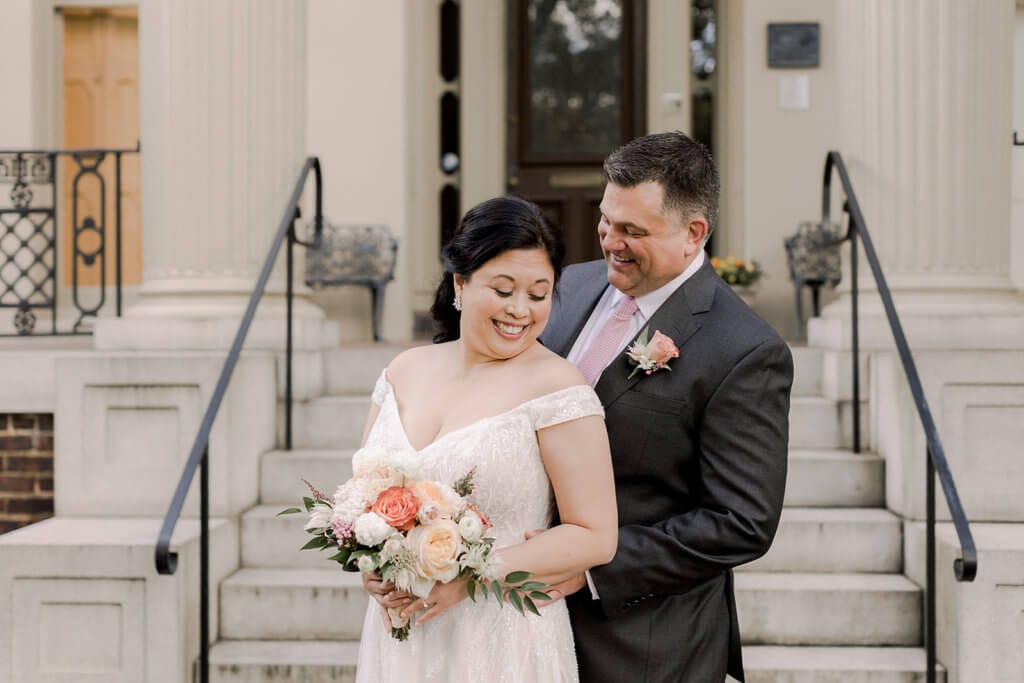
506,302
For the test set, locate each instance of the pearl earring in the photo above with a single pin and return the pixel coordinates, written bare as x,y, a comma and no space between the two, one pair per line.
457,302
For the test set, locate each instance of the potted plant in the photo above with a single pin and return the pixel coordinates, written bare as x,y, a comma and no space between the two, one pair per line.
742,276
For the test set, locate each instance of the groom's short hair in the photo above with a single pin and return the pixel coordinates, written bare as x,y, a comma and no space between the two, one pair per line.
682,166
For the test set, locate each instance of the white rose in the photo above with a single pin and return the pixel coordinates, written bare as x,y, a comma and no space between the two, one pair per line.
366,564
470,526
371,529
319,517
429,512
367,460
405,461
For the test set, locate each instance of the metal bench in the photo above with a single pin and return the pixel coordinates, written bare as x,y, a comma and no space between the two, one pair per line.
355,255
813,257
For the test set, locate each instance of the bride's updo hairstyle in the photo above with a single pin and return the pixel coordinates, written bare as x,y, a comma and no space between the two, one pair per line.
488,230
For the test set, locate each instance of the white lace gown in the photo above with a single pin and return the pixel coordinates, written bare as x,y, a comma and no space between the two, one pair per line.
474,642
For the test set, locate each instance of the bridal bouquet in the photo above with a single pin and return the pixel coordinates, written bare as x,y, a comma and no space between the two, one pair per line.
413,531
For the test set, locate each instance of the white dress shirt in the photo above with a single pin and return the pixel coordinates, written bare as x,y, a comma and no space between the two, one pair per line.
647,304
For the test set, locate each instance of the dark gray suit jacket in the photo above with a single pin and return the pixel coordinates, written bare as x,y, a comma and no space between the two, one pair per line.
700,470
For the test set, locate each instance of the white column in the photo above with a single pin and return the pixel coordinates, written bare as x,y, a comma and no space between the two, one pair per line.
925,132
223,140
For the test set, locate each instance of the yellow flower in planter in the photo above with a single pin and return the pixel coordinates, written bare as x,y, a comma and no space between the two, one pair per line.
737,271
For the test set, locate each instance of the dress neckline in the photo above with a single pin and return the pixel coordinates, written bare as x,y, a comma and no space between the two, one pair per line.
441,437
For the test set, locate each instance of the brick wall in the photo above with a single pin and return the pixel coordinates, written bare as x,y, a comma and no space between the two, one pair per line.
26,469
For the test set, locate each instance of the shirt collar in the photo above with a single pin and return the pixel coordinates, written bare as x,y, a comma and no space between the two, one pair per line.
651,301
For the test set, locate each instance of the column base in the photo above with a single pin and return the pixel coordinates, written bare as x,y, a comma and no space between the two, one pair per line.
179,323
81,601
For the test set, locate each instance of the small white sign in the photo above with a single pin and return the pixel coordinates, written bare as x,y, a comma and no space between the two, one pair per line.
794,92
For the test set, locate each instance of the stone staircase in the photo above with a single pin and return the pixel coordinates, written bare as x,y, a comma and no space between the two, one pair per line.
828,603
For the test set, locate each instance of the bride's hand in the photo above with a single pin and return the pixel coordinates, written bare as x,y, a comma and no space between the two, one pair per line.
442,597
385,593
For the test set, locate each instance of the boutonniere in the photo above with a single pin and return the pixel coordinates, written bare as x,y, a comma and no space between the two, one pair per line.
651,355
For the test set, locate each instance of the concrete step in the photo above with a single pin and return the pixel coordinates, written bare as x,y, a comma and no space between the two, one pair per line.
807,368
835,478
813,422
272,542
835,540
828,609
354,368
769,664
331,421
283,661
282,472
292,604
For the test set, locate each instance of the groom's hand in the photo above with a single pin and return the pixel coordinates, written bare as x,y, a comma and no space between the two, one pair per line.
565,589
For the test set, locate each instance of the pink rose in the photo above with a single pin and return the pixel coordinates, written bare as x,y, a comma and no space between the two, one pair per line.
397,506
661,349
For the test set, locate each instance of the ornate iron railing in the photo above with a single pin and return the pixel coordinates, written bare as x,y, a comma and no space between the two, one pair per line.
30,236
167,561
965,567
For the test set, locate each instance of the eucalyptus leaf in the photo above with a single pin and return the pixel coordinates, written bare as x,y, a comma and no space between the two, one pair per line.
537,595
517,577
471,589
315,543
517,602
496,591
308,502
289,511
530,606
532,586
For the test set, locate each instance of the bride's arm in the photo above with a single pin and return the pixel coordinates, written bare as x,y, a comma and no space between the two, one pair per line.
578,463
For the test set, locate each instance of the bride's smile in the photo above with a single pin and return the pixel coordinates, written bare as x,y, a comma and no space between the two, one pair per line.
506,303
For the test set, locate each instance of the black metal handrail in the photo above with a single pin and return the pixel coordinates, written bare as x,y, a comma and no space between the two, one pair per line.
34,286
167,561
965,567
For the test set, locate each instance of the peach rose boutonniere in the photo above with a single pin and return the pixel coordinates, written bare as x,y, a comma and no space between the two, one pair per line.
650,354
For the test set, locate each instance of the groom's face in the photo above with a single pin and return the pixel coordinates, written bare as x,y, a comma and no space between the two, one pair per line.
645,246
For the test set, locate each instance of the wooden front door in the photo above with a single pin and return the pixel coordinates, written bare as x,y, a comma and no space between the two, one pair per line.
577,86
101,109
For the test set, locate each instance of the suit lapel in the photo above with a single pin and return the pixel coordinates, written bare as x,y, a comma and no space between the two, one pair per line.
678,318
574,308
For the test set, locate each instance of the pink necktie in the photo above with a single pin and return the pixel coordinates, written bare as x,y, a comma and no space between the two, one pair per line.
606,342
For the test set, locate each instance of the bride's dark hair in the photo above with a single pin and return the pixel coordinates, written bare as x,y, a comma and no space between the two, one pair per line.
488,230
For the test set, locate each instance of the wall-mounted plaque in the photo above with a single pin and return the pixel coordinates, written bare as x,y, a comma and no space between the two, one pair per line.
793,46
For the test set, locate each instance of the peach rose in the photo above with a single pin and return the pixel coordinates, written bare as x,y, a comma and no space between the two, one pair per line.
662,349
436,547
397,506
431,494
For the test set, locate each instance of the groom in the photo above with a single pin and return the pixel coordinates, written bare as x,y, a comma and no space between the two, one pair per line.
699,447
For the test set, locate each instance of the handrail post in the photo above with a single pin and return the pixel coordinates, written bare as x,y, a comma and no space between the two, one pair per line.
855,327
288,339
930,597
204,566
117,227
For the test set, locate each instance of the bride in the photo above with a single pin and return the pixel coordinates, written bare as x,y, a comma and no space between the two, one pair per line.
488,396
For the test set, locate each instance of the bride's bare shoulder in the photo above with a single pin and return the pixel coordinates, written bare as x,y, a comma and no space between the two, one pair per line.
418,364
552,372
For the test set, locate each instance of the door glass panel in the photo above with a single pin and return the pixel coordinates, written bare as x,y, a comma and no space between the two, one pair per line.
574,73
